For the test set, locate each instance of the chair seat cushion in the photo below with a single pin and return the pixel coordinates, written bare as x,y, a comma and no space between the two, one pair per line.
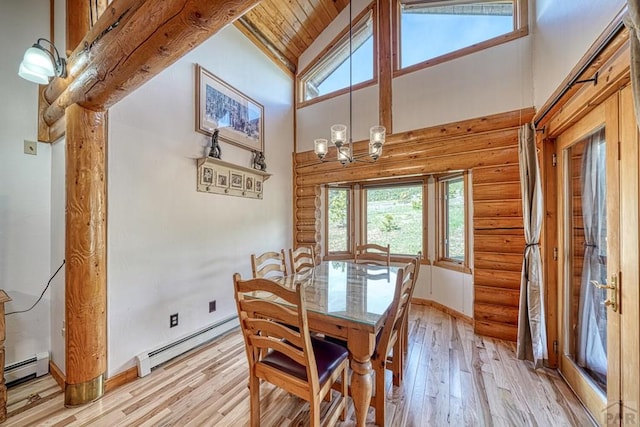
328,357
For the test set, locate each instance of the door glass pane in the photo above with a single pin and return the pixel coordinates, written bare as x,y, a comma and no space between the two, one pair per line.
587,248
338,220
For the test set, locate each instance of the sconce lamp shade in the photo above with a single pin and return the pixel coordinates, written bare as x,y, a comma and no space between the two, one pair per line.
39,64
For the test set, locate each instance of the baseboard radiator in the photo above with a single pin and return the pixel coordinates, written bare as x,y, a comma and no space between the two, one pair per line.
33,367
147,361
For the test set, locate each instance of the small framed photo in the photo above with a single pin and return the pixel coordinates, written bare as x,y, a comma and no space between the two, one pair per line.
222,180
249,183
207,176
258,185
237,180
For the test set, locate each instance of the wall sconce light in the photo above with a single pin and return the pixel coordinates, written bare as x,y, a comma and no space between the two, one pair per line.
39,64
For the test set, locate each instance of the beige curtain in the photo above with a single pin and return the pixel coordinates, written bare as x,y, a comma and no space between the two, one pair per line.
632,21
532,330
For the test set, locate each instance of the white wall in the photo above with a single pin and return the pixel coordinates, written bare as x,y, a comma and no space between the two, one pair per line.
25,230
563,32
170,248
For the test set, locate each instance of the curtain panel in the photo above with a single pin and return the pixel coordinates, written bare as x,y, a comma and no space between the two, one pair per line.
632,21
532,329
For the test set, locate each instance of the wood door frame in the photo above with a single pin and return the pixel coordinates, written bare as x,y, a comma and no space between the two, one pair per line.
606,114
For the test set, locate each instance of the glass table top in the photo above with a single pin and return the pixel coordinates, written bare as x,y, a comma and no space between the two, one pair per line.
342,289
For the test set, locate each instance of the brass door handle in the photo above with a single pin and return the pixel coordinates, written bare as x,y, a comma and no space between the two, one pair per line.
613,301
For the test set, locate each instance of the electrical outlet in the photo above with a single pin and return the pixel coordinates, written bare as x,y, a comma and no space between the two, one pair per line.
173,320
30,147
212,306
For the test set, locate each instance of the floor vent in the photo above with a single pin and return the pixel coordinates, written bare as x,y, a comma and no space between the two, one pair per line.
33,367
149,360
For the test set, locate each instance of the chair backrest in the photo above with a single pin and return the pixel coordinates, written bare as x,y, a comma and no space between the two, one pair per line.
269,264
267,324
373,254
405,284
302,259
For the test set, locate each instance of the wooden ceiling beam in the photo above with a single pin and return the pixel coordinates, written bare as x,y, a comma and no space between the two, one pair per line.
135,46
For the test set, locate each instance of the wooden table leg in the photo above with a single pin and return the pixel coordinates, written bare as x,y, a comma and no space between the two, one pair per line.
361,345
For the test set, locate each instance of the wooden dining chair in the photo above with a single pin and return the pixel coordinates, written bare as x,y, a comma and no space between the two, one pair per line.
373,254
302,259
281,351
389,353
269,264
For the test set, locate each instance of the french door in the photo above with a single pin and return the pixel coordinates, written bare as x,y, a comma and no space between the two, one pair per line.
589,227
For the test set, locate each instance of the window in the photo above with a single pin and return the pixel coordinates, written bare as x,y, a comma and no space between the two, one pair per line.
430,29
330,72
394,216
338,220
389,213
451,222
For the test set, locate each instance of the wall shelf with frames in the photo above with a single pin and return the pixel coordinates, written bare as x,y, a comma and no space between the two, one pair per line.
220,177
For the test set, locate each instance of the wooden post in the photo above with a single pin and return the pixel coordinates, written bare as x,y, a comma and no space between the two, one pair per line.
85,253
385,65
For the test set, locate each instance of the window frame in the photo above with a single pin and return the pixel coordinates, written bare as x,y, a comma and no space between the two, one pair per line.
423,182
521,29
442,260
339,255
300,101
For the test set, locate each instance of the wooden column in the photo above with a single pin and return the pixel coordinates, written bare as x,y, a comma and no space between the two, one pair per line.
385,65
85,253
4,298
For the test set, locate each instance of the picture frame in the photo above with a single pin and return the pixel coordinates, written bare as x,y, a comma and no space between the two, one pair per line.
238,118
258,185
207,176
237,180
222,180
249,183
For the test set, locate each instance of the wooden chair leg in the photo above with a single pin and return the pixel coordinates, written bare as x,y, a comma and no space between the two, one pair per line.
314,414
345,393
380,397
254,397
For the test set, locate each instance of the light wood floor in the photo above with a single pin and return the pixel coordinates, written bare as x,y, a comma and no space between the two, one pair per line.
453,377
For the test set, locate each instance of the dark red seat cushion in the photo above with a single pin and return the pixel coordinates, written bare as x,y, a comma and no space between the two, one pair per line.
328,357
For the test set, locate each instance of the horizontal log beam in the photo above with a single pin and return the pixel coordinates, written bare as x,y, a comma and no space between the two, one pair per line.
148,37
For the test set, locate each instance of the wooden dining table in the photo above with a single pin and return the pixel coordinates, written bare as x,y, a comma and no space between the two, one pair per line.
351,302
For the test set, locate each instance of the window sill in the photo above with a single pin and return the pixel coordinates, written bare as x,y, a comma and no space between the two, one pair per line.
302,104
452,266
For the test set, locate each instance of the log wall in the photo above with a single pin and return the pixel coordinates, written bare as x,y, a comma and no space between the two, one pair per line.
486,145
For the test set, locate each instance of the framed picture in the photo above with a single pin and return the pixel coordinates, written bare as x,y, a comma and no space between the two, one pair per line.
222,180
249,183
238,118
237,180
258,185
207,176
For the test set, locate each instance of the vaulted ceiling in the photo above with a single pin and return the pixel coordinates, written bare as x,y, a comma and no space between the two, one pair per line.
286,28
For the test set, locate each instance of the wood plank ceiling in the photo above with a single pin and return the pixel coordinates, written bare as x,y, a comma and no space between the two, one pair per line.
286,28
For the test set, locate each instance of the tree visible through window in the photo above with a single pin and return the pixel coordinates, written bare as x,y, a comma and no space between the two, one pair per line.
395,217
338,220
453,219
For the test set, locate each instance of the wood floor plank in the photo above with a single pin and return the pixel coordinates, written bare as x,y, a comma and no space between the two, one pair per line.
452,377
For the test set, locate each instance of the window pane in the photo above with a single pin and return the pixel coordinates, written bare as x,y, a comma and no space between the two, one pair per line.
394,217
362,70
454,219
427,32
331,72
338,220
